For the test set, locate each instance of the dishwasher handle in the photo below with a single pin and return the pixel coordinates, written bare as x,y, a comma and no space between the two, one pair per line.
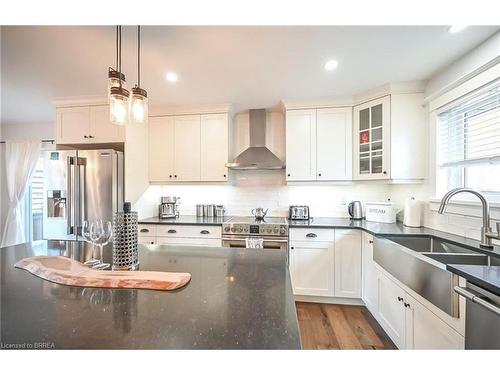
472,296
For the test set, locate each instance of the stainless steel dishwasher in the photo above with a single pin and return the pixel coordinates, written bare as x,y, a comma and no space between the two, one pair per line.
482,320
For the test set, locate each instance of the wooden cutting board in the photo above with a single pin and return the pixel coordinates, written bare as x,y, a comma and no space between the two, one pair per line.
66,271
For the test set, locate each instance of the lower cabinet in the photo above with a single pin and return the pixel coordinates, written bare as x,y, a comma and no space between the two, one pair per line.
312,268
180,235
409,323
369,274
326,262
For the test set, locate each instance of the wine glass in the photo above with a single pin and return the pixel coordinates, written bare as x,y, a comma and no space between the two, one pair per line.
86,233
102,235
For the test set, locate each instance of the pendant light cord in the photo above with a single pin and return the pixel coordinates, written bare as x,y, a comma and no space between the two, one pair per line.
138,56
116,45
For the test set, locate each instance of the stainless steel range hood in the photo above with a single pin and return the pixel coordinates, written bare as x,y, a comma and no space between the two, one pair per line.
257,156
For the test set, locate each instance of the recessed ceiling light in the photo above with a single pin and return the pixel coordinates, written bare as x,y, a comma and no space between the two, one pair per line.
331,65
456,28
171,77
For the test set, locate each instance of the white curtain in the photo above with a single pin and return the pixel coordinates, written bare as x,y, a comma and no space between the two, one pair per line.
20,162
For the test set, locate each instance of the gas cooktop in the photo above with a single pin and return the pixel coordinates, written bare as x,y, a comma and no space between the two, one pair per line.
249,226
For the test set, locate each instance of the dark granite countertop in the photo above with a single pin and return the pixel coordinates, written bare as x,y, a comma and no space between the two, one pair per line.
487,277
396,229
185,220
236,299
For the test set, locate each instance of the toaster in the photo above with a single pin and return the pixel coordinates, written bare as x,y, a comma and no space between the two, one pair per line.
298,213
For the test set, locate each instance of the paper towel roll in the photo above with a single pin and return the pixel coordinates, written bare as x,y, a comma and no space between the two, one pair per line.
413,213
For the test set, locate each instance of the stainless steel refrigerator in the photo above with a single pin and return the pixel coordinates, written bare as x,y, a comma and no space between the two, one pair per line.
80,185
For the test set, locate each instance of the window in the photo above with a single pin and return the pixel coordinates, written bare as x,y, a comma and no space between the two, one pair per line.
32,205
468,144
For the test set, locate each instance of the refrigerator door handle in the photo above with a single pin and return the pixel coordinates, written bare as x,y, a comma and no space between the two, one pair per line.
82,178
69,194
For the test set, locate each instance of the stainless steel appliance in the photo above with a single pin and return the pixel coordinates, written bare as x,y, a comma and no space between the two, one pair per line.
259,213
199,210
482,320
80,185
298,213
273,230
168,207
355,210
219,210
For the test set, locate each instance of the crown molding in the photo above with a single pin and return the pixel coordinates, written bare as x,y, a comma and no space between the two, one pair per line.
158,111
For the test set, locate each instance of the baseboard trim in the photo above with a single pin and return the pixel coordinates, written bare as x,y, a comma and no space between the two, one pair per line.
330,300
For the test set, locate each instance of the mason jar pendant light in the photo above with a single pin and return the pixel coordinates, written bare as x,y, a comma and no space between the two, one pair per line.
118,94
139,101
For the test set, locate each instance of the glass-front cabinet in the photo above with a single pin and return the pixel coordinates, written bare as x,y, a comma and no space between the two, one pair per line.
372,140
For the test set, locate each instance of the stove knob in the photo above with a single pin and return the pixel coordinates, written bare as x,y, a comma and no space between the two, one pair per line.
276,230
282,230
227,229
245,230
239,229
233,230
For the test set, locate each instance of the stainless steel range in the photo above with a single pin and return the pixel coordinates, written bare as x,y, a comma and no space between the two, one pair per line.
273,230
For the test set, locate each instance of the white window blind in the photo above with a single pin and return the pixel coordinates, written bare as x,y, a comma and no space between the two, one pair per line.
469,131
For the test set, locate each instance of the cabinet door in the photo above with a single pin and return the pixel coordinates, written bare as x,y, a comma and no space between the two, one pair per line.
187,156
424,330
312,268
161,149
214,147
370,282
391,310
334,144
101,129
347,263
146,240
372,140
73,125
301,145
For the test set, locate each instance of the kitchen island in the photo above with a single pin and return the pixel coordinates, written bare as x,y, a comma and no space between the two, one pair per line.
237,299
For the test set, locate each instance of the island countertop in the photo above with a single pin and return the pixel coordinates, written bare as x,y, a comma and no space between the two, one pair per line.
237,299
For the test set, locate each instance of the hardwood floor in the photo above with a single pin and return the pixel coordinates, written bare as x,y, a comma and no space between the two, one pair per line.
324,326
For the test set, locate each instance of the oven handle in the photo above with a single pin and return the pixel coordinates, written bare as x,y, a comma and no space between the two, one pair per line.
244,238
468,294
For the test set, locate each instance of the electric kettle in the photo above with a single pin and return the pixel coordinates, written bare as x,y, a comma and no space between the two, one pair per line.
355,210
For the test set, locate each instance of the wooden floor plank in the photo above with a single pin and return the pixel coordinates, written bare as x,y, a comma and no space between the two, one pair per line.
325,326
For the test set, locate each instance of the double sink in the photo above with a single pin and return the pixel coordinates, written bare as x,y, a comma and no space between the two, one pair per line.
420,262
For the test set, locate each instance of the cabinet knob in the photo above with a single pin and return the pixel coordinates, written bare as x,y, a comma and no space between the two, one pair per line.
371,241
292,248
85,136
385,172
175,175
91,136
288,174
170,176
224,175
407,304
400,299
319,174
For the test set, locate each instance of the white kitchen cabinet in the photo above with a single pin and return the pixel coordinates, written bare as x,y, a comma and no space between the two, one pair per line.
334,144
214,147
86,124
391,310
424,330
161,149
388,133
180,235
372,129
347,263
319,144
312,268
187,153
146,240
301,145
369,272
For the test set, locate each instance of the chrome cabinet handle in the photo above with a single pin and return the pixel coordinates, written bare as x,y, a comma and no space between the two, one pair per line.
371,241
467,293
204,232
172,231
311,235
144,230
400,299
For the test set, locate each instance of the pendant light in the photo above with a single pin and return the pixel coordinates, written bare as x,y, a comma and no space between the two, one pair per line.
118,94
139,101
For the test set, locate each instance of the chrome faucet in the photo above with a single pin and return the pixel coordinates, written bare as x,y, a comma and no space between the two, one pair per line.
486,234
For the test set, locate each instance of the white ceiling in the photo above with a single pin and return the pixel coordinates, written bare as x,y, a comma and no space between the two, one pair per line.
251,67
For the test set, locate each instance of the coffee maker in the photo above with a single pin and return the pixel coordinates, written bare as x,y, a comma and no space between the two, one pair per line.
168,207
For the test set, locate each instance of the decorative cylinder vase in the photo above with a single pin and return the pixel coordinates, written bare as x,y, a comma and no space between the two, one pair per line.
125,255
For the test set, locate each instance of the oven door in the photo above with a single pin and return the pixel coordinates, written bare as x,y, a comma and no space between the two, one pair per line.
269,243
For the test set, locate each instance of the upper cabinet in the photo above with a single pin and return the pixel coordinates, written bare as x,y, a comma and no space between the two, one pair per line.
318,144
388,133
86,124
188,148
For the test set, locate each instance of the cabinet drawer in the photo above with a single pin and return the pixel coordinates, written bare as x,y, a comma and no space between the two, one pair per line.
147,240
147,230
312,234
175,241
193,231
